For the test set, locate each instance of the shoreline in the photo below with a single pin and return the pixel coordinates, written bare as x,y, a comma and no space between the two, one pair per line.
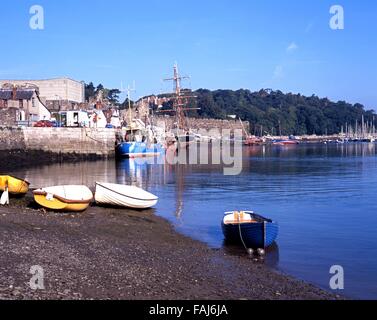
108,253
11,160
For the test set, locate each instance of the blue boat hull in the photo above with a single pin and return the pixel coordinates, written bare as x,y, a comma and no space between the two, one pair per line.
138,149
255,235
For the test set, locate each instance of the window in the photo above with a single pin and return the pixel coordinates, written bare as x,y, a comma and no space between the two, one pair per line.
21,116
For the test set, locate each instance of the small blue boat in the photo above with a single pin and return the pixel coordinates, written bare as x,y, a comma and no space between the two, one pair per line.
250,229
139,149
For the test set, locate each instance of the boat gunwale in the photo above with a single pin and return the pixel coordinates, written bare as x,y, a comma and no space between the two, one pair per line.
123,195
68,201
253,215
14,177
140,155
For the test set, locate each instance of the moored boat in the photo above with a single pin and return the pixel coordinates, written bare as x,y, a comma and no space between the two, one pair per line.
253,141
285,142
64,198
13,185
249,229
124,196
139,150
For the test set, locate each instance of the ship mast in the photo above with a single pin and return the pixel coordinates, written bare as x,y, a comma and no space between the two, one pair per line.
129,90
180,99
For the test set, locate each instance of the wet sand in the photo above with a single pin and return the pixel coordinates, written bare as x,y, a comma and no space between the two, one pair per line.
108,253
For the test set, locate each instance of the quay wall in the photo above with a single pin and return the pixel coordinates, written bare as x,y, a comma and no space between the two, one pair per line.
90,142
197,124
79,141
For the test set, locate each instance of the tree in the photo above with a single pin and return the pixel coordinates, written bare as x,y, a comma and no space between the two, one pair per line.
278,112
90,91
113,96
99,88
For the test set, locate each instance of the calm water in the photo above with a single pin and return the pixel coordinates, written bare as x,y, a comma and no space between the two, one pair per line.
324,198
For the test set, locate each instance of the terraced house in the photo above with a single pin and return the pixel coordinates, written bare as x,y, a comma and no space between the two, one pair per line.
21,106
24,102
57,94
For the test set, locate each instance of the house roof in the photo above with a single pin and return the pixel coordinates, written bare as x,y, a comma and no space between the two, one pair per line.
21,94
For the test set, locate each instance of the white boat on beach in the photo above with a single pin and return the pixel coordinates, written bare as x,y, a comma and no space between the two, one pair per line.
65,198
124,196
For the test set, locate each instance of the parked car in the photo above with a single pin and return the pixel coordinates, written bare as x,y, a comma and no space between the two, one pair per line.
44,124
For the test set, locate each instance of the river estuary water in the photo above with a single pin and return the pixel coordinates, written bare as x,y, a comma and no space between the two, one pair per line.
323,196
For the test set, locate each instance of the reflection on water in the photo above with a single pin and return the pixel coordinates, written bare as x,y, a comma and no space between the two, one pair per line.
323,197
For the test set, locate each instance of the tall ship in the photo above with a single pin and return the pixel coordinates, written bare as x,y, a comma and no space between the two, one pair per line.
182,99
147,140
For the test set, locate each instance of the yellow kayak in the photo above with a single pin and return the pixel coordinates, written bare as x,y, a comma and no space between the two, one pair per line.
64,198
15,185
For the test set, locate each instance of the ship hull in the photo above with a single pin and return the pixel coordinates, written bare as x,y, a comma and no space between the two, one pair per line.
138,150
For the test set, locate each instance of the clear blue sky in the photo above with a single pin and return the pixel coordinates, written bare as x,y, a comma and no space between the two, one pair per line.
221,44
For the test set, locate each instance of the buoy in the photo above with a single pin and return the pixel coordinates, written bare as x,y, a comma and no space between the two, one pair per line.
250,252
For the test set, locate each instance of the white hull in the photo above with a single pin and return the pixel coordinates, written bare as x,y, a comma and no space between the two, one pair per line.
70,193
124,196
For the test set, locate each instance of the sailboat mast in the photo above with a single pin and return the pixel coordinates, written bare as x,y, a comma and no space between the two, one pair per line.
177,80
180,100
129,89
129,105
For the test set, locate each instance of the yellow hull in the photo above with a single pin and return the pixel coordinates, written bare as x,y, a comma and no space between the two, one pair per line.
56,204
15,186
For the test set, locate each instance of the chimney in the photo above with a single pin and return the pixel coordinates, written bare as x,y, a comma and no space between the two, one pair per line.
14,93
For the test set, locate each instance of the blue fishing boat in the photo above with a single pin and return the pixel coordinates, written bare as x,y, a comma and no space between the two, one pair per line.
140,141
139,149
249,229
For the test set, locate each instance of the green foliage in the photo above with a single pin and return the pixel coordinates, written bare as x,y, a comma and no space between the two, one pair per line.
112,95
274,112
90,91
269,112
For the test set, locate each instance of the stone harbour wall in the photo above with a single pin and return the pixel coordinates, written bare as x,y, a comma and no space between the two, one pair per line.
92,143
80,141
8,116
11,138
197,124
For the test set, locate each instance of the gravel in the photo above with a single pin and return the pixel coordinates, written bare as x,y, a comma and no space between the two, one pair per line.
108,253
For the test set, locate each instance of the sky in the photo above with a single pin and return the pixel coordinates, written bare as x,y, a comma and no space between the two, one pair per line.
221,44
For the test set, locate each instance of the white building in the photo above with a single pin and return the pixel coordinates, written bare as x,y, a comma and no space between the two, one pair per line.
74,118
98,119
63,90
